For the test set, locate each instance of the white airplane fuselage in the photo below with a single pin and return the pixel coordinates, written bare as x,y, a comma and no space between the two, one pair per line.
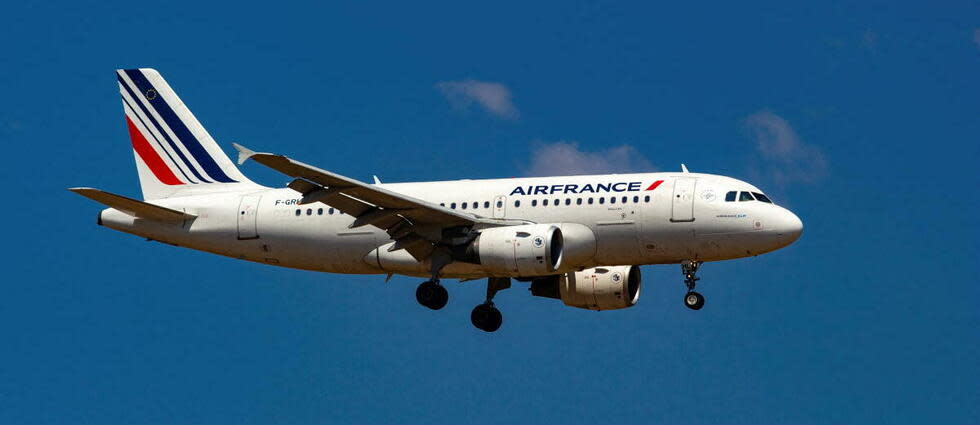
684,217
579,239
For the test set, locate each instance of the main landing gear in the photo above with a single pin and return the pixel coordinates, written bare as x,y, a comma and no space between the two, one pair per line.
485,316
692,300
431,294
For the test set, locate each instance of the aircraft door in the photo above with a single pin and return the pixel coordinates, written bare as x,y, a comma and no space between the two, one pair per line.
682,206
248,217
499,206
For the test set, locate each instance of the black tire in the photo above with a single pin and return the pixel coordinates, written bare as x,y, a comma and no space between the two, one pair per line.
486,318
432,295
694,300
442,297
496,319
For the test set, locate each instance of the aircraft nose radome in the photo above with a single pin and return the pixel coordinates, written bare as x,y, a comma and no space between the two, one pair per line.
791,227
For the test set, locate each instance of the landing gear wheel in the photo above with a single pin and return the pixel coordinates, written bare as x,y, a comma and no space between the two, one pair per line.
432,295
694,300
486,317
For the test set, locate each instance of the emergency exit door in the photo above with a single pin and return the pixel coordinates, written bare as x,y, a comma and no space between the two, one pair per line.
682,207
248,214
499,206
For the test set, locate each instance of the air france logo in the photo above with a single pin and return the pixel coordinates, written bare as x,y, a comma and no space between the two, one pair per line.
538,241
616,277
586,188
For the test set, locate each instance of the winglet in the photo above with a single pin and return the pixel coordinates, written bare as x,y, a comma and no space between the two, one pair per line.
376,180
683,168
243,153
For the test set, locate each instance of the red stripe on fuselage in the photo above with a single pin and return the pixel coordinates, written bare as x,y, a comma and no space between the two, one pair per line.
655,184
150,156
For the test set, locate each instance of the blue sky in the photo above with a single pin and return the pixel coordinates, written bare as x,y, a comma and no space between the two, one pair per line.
861,118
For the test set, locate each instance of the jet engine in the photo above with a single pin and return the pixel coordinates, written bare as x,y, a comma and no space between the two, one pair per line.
599,288
527,250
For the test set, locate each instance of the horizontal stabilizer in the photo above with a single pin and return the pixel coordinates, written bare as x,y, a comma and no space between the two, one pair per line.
131,206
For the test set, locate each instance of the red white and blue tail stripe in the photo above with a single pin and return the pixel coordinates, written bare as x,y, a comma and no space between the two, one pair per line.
173,150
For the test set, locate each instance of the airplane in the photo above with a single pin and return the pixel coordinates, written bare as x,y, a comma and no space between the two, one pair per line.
579,239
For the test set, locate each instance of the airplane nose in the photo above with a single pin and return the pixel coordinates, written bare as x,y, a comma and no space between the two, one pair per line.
790,227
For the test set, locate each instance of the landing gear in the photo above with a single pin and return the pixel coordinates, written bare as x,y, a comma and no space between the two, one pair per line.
692,300
431,294
485,316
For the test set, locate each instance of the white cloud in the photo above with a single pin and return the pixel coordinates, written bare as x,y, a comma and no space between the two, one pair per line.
565,158
783,156
494,98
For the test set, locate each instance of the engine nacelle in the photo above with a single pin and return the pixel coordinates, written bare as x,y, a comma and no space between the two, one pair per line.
527,250
599,288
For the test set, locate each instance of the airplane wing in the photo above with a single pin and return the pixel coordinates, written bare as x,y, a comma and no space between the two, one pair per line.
131,206
413,223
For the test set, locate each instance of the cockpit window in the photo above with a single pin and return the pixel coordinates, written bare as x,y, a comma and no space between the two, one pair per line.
745,196
730,196
762,197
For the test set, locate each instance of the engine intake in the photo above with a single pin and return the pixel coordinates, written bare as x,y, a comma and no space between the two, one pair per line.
599,288
527,250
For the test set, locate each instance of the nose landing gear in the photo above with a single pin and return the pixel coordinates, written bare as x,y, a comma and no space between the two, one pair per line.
692,300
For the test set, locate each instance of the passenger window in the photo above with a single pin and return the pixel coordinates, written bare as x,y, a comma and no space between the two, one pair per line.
745,196
578,201
452,205
730,196
646,198
762,197
636,199
568,201
476,205
330,211
309,211
517,204
442,204
602,200
544,202
590,201
319,211
463,205
625,199
612,199
534,202
298,213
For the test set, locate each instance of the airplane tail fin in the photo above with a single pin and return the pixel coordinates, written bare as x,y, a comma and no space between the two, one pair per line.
175,155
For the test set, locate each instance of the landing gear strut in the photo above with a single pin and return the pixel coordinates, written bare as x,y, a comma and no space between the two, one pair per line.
692,300
430,293
485,316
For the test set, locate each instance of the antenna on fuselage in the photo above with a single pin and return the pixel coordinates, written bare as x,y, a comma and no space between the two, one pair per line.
684,169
